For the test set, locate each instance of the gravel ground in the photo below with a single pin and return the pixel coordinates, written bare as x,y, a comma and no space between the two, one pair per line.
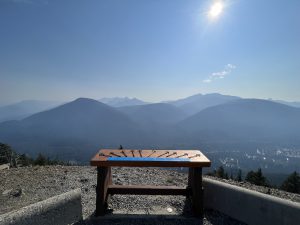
23,186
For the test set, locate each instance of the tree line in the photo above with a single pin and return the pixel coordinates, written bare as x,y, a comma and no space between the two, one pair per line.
290,184
9,156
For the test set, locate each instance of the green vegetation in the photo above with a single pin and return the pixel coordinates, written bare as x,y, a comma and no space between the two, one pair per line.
239,176
257,178
292,183
220,173
25,160
42,160
252,177
9,156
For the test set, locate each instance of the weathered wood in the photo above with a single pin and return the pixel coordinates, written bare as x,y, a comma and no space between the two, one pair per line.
147,190
194,159
170,160
101,190
109,176
195,183
190,178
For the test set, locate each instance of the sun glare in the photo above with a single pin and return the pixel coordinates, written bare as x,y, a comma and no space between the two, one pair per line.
216,9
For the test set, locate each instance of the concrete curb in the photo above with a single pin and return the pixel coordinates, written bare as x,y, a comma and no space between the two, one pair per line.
59,210
248,206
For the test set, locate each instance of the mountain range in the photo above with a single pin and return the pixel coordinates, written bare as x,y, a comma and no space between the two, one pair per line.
294,104
70,127
189,105
122,101
75,130
245,120
156,113
196,103
24,109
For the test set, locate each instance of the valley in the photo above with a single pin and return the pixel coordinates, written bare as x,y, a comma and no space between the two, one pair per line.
233,132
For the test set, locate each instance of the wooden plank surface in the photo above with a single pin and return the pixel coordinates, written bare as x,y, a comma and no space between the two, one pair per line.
195,184
150,158
147,190
103,180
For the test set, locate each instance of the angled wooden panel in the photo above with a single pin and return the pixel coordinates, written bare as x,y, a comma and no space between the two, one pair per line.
150,158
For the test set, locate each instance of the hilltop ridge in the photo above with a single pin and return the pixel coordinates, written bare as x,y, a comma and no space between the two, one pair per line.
80,127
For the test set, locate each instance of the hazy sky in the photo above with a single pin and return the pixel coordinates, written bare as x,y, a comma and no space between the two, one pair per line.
150,49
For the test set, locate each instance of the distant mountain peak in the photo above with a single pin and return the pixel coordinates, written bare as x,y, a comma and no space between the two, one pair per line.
25,108
195,103
122,101
81,99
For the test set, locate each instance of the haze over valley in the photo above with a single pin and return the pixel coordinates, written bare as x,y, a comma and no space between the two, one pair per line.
234,132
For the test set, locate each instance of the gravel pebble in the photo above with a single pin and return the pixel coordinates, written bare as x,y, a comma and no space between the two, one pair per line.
33,184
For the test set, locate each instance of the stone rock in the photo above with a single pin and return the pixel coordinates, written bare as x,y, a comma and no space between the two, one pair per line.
7,192
84,180
16,193
169,210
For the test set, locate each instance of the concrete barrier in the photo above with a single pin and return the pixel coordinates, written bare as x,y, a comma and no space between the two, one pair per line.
248,206
59,210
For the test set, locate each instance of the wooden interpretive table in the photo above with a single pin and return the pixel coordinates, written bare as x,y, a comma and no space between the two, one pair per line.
106,158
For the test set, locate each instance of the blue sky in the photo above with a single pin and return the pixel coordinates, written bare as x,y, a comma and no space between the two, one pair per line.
154,50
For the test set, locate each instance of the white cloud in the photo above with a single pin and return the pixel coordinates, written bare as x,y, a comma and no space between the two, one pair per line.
207,80
230,66
221,74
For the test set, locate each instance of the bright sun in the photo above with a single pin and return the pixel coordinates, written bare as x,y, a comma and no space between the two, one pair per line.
216,9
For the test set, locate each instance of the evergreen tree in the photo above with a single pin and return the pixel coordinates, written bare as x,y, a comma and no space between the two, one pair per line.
257,178
226,176
41,160
7,155
24,160
292,183
220,172
239,176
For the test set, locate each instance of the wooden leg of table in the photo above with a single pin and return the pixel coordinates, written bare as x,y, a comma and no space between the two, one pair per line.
110,176
190,178
195,185
101,190
109,182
